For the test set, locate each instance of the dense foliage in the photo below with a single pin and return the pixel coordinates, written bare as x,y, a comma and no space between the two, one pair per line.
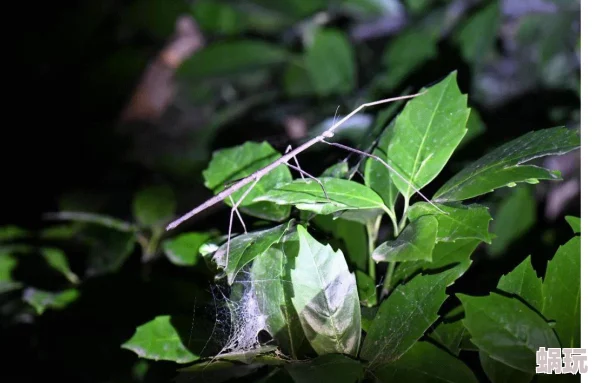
454,263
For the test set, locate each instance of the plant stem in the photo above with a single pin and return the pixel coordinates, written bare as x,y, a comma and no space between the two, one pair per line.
372,232
392,265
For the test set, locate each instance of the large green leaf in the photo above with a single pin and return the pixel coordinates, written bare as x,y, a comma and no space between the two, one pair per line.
228,58
523,282
273,290
504,165
232,164
415,243
325,297
405,316
168,338
514,217
154,206
426,363
184,249
327,368
57,260
330,62
502,373
7,264
562,293
244,248
444,254
308,195
420,46
458,222
508,330
42,300
428,131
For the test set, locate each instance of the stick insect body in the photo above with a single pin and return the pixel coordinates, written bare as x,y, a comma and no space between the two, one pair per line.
257,175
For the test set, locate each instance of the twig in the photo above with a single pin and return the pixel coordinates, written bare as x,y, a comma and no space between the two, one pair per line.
257,175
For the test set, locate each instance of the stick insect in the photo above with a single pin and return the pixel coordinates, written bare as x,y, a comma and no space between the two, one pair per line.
283,160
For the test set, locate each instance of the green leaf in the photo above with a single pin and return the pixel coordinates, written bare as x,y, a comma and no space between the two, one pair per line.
93,218
349,236
325,297
477,34
428,131
12,232
366,289
244,248
416,242
449,335
377,176
523,282
426,363
241,161
184,249
154,206
504,165
42,300
296,80
229,58
215,371
405,316
562,293
575,223
514,217
108,250
505,328
167,338
327,368
308,195
444,254
502,373
459,222
7,264
57,260
273,290
330,62
420,46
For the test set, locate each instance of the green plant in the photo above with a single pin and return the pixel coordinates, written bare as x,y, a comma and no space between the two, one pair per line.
320,303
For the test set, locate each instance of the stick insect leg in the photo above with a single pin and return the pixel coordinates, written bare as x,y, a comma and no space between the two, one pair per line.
238,215
304,173
234,210
386,165
289,148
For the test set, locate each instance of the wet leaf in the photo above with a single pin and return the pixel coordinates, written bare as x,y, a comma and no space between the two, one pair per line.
505,165
327,368
405,316
506,329
415,243
428,131
458,221
325,297
349,236
449,335
562,292
502,373
233,164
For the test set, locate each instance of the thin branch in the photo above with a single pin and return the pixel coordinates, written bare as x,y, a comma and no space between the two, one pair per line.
282,160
